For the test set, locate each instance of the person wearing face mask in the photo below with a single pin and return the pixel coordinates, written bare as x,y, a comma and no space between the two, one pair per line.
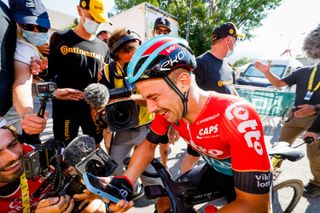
32,30
213,73
75,60
104,33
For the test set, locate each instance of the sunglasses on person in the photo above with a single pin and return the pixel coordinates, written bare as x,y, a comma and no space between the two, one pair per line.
162,32
32,27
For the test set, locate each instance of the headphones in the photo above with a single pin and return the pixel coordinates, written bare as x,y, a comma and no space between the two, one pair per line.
131,36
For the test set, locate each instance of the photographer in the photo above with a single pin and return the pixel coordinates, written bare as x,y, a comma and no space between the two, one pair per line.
13,182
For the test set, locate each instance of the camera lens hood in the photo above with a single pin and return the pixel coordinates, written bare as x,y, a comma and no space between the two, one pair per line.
122,115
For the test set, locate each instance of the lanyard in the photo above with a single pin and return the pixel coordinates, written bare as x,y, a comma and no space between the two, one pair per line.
25,196
311,80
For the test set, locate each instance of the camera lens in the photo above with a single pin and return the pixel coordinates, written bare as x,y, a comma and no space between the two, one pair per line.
122,115
95,167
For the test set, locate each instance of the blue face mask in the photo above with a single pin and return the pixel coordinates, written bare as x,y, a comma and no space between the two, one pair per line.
230,51
37,39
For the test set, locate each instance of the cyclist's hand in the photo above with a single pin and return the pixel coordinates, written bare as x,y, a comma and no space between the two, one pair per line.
304,110
264,68
313,135
32,124
55,205
122,183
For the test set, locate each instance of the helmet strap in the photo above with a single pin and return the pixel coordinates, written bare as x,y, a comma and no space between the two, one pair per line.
183,96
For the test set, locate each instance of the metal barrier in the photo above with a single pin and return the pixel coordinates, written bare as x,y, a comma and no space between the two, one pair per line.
267,101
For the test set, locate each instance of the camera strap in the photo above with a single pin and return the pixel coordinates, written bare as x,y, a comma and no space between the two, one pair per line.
25,195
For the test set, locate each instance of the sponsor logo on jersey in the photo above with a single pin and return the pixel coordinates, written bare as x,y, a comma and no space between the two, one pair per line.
248,127
209,152
263,180
208,132
208,119
76,50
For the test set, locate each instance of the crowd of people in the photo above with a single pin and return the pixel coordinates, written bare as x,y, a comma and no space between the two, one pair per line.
177,95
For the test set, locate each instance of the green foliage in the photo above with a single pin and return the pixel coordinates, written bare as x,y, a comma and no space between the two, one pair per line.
241,61
73,25
207,14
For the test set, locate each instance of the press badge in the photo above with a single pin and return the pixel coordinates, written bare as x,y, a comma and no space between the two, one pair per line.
308,96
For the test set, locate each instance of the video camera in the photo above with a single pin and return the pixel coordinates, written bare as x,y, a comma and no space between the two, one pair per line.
63,171
37,162
122,115
45,89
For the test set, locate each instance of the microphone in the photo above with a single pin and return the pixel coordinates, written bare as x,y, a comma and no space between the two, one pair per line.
79,148
96,95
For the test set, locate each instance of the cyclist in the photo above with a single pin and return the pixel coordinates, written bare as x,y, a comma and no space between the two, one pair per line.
224,129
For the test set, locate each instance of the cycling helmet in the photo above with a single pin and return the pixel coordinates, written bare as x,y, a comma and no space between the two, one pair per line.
158,56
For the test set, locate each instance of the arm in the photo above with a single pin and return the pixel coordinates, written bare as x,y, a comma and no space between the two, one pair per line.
23,101
265,69
22,88
142,156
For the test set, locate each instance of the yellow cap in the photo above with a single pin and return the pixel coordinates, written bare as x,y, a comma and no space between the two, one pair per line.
96,10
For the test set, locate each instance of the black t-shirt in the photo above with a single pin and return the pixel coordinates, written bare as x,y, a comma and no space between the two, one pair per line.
8,46
300,78
210,70
75,62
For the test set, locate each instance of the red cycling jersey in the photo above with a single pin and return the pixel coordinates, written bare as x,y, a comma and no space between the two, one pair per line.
229,135
13,203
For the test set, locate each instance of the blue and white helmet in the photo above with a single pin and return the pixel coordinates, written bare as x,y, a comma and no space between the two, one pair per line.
158,56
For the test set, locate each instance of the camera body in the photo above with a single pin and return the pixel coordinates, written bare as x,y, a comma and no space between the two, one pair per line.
98,163
45,161
37,162
122,115
45,89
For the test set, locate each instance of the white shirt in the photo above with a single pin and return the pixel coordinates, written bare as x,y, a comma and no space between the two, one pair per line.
24,52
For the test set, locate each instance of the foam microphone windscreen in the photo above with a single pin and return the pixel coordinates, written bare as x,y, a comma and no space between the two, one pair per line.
96,95
79,148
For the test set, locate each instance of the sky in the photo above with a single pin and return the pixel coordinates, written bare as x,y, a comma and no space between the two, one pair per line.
285,27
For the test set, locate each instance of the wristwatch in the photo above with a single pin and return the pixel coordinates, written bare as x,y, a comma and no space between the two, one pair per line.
317,108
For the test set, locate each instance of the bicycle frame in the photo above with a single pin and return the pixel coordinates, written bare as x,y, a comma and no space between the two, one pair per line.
183,196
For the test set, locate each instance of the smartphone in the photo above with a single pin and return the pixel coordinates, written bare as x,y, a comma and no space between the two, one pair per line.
95,186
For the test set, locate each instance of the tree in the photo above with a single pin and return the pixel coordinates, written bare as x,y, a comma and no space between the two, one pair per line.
241,61
206,14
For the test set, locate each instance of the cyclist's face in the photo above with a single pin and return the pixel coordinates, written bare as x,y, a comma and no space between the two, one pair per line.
11,154
161,99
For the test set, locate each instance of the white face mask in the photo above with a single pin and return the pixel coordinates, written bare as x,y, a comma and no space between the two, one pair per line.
90,26
230,51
